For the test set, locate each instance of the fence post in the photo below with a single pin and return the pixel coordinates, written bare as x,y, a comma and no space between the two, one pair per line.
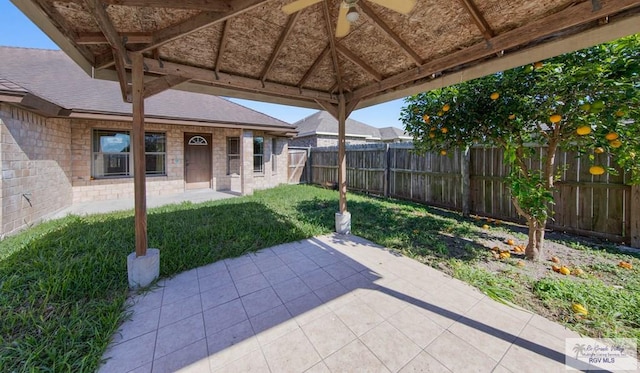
309,165
466,182
387,171
634,217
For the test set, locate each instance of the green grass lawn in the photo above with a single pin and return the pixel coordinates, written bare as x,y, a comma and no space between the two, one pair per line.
63,284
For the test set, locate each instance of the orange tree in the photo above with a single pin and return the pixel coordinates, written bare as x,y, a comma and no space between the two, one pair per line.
587,101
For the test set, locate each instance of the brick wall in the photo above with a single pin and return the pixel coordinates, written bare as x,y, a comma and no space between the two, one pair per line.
36,171
325,140
272,177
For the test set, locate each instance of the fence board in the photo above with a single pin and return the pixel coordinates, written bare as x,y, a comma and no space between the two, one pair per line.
585,204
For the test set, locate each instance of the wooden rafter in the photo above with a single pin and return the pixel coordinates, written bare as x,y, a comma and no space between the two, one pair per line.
478,19
89,38
572,16
222,45
332,45
315,65
392,35
276,51
358,61
161,84
96,7
232,81
209,5
125,88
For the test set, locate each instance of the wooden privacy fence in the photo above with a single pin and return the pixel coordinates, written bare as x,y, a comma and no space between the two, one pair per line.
601,206
298,165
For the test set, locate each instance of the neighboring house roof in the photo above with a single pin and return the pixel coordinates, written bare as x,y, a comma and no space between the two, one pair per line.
52,76
323,123
393,133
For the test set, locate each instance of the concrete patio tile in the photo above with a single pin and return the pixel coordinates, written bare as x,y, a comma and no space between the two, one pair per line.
268,263
359,317
240,333
219,295
332,292
358,281
238,261
424,363
129,355
139,324
251,284
450,299
302,266
328,334
189,358
146,368
146,301
420,329
232,353
278,275
555,329
260,301
212,269
177,311
174,337
392,347
262,255
340,270
501,369
291,353
224,316
458,355
355,357
291,289
215,280
307,308
321,367
316,279
535,350
254,361
324,259
289,254
273,324
385,305
244,270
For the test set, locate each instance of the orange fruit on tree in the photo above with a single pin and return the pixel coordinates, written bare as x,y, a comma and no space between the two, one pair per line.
426,118
598,150
583,130
444,130
446,107
619,113
495,95
443,152
440,113
555,118
432,135
512,117
596,170
615,143
611,136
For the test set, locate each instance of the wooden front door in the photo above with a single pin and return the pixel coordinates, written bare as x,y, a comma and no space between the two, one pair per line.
197,160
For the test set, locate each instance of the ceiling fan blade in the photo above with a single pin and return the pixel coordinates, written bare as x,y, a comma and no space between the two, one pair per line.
400,6
343,26
298,5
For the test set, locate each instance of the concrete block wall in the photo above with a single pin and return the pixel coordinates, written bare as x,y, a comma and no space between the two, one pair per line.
35,154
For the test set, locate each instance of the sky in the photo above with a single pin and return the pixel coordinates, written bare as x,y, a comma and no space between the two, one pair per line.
16,30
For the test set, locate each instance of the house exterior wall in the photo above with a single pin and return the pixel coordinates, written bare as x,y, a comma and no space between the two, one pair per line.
325,140
35,153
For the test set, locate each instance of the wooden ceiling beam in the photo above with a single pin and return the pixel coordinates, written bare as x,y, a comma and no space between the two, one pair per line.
478,19
90,38
332,45
315,65
97,9
276,51
389,32
208,5
222,44
224,80
161,84
125,87
572,16
359,62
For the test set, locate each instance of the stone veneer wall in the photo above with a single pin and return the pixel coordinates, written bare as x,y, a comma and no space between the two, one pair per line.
88,189
35,153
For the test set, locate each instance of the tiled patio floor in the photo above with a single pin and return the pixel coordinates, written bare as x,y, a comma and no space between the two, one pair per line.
329,304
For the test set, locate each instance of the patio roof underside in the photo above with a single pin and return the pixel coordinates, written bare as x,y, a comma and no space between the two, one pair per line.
252,49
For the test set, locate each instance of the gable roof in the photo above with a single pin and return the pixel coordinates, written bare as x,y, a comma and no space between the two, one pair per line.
323,123
392,133
52,76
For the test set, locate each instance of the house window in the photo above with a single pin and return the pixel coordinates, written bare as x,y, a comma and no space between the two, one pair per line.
258,154
233,155
112,153
274,155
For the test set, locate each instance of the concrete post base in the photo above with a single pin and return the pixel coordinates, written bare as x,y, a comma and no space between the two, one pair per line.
143,270
343,222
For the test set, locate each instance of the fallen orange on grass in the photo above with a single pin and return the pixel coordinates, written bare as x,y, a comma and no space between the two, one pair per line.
625,265
564,270
510,242
579,309
555,259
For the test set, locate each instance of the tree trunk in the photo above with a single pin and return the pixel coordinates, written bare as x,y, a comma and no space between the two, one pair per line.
534,250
